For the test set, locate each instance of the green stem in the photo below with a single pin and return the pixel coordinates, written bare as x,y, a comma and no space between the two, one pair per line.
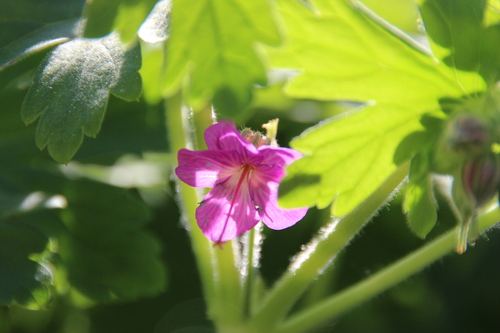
252,261
179,137
381,281
229,288
201,120
217,266
319,254
248,277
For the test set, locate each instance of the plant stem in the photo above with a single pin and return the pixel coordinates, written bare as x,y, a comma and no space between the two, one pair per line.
217,266
319,254
179,137
229,288
379,282
252,262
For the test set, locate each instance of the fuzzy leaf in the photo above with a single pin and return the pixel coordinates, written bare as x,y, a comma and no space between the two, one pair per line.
211,51
71,89
47,36
344,54
156,26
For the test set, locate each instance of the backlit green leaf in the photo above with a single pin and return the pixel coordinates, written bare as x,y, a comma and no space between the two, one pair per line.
419,203
341,53
71,89
211,51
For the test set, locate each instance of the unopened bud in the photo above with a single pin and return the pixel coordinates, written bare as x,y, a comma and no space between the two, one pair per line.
469,134
481,177
254,137
258,139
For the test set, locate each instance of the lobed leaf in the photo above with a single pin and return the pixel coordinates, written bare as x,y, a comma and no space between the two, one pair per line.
71,89
211,51
345,53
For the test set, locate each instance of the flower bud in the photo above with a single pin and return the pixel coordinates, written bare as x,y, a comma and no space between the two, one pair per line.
254,137
258,139
481,177
469,133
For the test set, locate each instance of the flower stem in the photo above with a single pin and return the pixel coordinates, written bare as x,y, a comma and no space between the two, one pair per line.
319,254
379,282
229,287
252,262
217,266
179,137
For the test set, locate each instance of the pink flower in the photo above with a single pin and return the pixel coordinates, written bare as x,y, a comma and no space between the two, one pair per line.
245,182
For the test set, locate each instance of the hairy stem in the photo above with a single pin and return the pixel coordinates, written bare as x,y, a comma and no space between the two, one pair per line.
379,282
179,137
217,266
229,287
319,254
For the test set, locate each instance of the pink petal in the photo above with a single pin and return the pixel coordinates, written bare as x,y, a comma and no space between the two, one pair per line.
224,136
223,215
206,168
270,213
278,156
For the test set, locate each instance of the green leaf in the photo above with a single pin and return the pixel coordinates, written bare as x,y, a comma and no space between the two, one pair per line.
455,26
151,73
47,36
29,27
464,34
156,26
211,51
345,53
105,235
124,16
71,89
420,204
22,280
20,18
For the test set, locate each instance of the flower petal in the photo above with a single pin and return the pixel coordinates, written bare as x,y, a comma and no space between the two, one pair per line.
226,213
206,168
224,136
278,156
275,217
